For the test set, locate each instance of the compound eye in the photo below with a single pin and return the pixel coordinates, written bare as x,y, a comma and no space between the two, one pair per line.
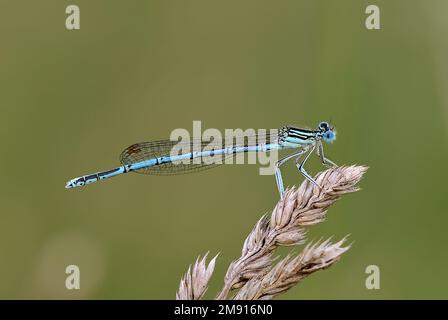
329,136
323,126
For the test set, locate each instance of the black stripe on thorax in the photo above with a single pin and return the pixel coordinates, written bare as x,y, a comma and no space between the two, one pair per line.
301,133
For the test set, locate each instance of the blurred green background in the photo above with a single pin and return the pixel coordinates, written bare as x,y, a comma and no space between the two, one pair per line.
70,102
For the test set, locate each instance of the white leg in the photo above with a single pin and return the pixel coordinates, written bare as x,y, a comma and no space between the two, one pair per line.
303,171
325,161
278,174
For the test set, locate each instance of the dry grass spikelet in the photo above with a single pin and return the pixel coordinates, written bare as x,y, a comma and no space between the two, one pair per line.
194,283
254,272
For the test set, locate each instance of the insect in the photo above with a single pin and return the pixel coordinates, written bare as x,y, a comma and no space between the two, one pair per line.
156,157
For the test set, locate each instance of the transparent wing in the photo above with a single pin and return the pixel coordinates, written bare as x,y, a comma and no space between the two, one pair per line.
148,150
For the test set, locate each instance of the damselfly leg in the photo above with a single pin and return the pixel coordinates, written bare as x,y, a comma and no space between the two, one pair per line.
302,169
278,174
327,162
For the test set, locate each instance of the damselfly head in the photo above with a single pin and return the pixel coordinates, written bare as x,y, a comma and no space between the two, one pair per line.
327,132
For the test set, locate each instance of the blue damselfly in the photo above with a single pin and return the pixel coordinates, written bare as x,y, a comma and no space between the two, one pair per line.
157,157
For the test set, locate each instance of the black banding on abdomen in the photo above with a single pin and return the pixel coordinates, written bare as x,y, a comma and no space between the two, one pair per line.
105,173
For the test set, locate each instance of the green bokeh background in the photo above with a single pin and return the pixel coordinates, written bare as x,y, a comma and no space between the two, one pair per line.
70,101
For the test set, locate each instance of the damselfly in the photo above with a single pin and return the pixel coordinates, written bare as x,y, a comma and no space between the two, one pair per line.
156,157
